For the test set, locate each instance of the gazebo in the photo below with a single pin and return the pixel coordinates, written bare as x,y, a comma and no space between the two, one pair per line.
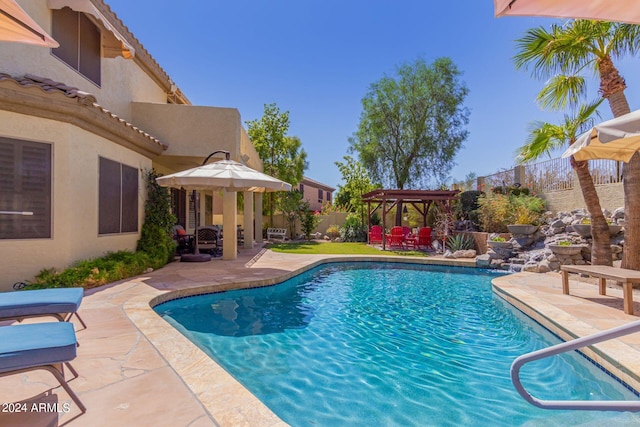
421,200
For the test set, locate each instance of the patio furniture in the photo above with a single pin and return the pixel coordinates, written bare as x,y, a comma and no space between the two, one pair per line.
604,272
277,232
183,240
45,346
396,238
61,303
424,238
209,240
375,235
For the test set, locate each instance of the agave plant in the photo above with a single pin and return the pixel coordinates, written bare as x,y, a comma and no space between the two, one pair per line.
459,242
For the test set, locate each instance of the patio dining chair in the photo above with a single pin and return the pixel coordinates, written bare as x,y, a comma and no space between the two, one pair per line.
209,240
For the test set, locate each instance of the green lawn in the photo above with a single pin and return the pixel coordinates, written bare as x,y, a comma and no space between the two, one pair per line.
332,248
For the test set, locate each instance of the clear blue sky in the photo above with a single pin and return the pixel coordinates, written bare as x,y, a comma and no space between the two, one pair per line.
316,59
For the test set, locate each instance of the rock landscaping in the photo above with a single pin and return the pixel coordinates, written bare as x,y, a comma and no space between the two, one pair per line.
554,244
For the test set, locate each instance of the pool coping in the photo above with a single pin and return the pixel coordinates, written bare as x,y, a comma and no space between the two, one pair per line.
230,403
616,357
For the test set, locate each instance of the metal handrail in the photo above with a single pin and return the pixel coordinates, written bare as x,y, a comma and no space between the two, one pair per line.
587,405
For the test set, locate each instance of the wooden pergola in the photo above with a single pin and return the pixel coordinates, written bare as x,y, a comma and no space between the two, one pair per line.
421,200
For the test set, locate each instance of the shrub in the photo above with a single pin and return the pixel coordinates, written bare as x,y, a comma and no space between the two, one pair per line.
353,230
467,207
498,239
375,219
95,272
309,220
333,231
498,210
564,243
459,242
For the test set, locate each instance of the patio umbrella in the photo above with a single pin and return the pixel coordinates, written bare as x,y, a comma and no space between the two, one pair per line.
227,174
224,174
17,26
615,139
603,10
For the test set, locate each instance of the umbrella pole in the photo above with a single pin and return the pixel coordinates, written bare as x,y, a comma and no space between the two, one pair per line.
196,251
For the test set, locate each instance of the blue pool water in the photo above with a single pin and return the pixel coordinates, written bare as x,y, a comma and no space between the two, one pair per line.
364,344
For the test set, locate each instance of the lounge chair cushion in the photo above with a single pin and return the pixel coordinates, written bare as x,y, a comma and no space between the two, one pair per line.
42,301
26,346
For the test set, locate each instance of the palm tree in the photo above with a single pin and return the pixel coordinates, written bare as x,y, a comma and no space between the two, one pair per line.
577,47
544,138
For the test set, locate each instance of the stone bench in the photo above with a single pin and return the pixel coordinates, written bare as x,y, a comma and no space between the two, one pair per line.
277,232
604,272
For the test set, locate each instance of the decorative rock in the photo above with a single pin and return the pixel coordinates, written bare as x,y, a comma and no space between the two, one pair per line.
544,266
327,237
483,260
448,254
467,253
618,214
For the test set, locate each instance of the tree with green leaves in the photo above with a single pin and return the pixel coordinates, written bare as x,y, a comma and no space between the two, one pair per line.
544,138
282,156
290,205
412,125
564,53
356,183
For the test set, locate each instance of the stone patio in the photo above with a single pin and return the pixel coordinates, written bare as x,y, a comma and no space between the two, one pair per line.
135,369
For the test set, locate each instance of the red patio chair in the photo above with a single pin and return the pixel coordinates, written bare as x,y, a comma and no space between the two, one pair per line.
424,237
375,235
396,238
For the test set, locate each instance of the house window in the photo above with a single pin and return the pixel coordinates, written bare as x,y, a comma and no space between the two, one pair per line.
319,196
79,42
328,196
25,189
118,198
302,188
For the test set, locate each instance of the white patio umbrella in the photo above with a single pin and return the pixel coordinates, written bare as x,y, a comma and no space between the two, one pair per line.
615,139
17,26
603,10
227,174
224,174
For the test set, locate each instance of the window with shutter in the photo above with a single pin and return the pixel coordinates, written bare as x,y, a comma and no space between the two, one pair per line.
118,198
25,189
79,40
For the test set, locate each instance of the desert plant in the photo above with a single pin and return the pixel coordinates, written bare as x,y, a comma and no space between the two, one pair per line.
333,231
498,239
499,210
564,243
353,230
459,242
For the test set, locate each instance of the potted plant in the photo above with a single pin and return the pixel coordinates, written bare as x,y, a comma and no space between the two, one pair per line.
499,242
584,227
526,215
565,248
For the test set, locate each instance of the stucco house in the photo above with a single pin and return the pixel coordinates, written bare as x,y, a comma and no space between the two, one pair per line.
80,125
316,193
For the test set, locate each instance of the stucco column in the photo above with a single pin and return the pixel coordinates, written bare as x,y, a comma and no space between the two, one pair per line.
229,224
248,219
258,199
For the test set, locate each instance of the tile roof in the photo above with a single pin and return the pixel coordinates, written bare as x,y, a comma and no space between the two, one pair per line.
52,87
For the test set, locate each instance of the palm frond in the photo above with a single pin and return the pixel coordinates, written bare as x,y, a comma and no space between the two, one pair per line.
562,91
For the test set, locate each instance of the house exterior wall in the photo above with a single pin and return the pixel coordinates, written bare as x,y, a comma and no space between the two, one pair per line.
75,155
131,81
310,193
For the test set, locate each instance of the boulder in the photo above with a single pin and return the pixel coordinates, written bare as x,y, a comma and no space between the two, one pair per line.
467,253
483,261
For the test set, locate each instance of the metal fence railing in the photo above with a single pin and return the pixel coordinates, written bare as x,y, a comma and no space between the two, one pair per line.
554,175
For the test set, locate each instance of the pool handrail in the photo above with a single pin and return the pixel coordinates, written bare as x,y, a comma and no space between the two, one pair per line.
586,405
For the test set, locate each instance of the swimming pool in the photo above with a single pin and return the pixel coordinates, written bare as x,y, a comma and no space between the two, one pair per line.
388,344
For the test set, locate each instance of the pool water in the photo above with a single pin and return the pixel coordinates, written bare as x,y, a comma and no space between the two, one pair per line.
363,344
